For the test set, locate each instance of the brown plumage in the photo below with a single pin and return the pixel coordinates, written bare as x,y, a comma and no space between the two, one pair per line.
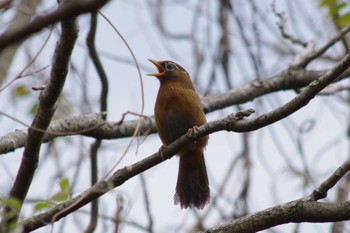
178,109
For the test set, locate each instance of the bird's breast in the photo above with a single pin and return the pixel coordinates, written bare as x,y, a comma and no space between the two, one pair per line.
176,111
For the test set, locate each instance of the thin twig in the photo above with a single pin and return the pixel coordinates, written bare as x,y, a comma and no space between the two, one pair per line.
91,125
103,108
282,27
46,110
138,123
142,95
147,203
321,191
56,133
73,9
20,74
313,55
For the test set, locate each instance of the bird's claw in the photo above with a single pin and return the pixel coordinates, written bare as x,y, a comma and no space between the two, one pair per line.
193,131
160,151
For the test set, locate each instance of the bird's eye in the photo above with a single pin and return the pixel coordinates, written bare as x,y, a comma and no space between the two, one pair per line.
170,66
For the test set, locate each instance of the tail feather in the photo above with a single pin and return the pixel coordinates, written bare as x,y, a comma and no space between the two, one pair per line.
192,188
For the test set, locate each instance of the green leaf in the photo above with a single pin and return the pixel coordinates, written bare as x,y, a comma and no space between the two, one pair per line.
334,10
21,91
60,197
11,202
63,194
34,109
43,205
328,2
64,184
344,20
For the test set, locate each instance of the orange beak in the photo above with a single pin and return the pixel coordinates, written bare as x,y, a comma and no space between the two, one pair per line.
159,67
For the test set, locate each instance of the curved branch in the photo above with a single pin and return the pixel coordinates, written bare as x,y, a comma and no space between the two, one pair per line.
302,210
71,9
95,146
92,125
20,19
293,212
46,110
122,175
233,122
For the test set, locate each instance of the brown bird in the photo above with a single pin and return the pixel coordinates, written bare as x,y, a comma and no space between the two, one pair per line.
178,109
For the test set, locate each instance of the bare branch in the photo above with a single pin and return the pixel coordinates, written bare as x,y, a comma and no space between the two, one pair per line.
90,40
233,122
20,74
122,175
72,9
147,203
47,107
300,100
313,55
92,125
19,20
229,123
291,212
302,210
321,191
282,27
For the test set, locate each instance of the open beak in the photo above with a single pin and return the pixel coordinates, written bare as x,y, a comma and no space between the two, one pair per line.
159,67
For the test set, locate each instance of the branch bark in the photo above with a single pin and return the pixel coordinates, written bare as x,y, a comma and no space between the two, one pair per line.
47,107
92,125
293,212
233,122
71,9
302,210
19,20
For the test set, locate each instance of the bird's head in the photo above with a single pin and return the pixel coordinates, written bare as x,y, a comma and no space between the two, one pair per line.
168,70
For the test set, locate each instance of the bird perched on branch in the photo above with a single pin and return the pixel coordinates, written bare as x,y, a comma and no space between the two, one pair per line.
178,109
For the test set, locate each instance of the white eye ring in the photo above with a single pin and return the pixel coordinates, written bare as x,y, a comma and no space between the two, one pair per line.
170,66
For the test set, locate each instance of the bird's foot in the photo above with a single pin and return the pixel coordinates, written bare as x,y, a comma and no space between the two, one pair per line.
160,151
193,132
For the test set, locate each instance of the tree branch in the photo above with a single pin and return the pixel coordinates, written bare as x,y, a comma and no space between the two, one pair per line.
233,122
302,210
92,125
309,57
122,175
321,191
47,107
20,19
292,212
90,40
71,9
